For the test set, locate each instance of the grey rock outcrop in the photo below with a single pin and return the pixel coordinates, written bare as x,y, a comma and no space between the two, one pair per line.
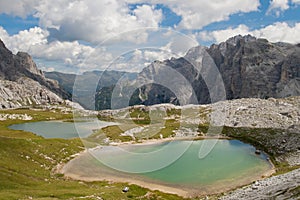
260,113
241,67
285,186
25,92
23,84
15,67
253,67
26,63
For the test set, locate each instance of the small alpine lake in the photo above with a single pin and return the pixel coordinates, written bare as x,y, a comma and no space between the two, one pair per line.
61,129
184,167
229,164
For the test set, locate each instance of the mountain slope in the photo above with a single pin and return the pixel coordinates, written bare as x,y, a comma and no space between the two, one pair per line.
23,84
253,67
65,81
84,87
249,67
25,92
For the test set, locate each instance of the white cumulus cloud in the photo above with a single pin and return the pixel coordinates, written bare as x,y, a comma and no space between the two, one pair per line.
280,32
148,16
296,1
278,6
20,8
277,32
222,35
94,21
88,20
34,41
25,40
199,13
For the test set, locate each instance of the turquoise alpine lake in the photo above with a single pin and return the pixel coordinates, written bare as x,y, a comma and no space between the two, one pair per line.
226,164
60,129
229,164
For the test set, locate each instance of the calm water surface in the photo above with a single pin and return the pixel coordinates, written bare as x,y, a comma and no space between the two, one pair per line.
59,129
231,163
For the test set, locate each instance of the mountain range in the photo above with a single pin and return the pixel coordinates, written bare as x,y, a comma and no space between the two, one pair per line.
241,67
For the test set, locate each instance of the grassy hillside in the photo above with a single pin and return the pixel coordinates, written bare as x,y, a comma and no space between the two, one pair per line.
27,162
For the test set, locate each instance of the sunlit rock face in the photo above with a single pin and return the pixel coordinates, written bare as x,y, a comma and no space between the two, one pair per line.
23,84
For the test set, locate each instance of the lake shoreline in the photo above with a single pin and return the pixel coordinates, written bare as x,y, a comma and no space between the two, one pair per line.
187,193
158,141
151,185
163,188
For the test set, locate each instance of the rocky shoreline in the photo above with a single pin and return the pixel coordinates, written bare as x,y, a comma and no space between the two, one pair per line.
272,125
284,186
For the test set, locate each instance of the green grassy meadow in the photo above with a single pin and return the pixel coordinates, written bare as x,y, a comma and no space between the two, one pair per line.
27,163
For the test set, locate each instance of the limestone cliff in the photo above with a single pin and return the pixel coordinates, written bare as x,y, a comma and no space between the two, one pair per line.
22,83
249,67
25,92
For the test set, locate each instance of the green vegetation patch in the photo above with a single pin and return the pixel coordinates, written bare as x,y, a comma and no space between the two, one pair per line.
27,163
168,131
113,133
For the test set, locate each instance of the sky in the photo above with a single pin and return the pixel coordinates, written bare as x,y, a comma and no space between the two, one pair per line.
74,36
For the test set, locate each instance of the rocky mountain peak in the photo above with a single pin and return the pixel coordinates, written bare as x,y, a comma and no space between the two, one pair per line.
14,69
27,62
2,45
248,66
238,38
195,52
4,52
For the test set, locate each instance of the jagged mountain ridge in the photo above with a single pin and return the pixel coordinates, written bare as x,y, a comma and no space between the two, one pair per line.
249,67
23,84
245,66
253,67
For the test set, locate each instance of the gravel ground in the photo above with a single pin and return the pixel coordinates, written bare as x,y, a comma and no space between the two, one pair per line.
285,186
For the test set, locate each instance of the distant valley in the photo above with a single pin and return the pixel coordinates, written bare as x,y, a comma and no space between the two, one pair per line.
85,87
